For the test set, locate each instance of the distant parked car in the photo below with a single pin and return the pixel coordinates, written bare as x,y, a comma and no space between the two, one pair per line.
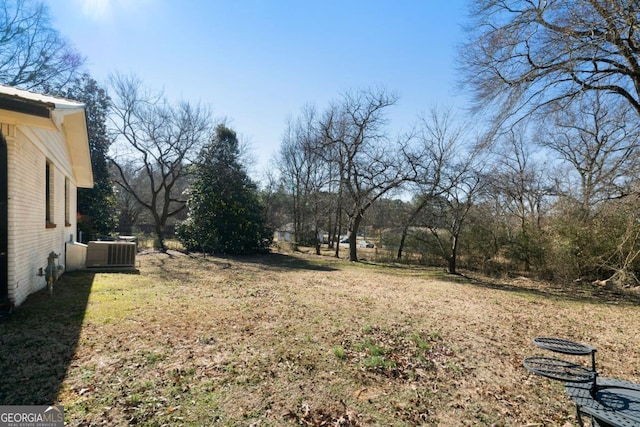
365,244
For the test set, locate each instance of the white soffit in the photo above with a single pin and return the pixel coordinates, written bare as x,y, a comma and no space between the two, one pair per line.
72,116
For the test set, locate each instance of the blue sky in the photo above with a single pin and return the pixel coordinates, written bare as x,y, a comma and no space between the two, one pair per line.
256,62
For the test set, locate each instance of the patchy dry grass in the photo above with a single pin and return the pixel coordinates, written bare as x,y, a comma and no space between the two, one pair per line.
303,340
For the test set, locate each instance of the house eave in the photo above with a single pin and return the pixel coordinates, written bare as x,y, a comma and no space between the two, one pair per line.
75,128
54,113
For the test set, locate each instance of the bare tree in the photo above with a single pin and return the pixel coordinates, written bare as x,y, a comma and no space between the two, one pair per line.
158,142
525,54
369,163
600,143
438,145
463,182
518,179
305,175
520,192
33,55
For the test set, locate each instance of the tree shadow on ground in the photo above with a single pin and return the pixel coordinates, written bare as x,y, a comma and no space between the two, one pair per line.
38,343
579,292
274,261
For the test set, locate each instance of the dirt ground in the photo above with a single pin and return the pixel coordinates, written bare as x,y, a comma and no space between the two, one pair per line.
299,339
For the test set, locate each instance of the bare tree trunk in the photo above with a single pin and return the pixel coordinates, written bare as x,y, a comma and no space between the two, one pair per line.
405,230
338,223
454,255
160,236
354,225
452,264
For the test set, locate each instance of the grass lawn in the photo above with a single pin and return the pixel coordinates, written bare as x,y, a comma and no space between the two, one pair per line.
295,339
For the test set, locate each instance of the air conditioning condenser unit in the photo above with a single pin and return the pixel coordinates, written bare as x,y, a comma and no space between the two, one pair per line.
111,254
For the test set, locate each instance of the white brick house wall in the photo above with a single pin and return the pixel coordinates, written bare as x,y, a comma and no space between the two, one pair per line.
29,238
31,143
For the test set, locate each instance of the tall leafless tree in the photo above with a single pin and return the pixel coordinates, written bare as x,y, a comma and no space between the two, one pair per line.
158,142
369,162
33,55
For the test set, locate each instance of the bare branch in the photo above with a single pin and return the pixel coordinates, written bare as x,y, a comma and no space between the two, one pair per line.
33,55
155,143
522,55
